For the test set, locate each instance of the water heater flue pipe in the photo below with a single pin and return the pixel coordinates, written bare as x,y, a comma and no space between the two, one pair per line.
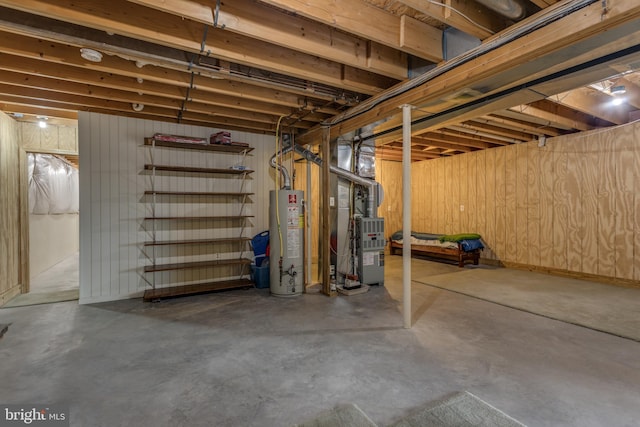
286,178
350,176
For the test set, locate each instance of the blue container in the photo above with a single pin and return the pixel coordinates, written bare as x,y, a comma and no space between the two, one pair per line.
259,244
260,276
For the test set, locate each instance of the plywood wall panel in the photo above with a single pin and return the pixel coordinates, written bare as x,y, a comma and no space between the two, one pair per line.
434,186
546,174
560,208
463,189
522,193
68,138
300,183
636,198
471,211
10,232
511,212
418,200
30,136
440,196
500,206
625,203
574,149
447,198
490,235
575,202
533,204
606,205
589,177
389,174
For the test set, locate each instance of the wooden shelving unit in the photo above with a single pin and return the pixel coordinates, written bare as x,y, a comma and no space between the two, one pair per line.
219,148
154,196
196,193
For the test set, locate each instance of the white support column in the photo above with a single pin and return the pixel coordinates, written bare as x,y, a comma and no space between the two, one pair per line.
406,215
309,279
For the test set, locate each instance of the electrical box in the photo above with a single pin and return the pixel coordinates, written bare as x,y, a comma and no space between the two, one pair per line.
370,244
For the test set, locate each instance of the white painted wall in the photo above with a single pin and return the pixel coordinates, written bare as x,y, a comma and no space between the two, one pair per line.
52,238
112,204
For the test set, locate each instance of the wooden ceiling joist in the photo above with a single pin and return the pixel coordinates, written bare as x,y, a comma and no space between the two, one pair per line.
136,21
526,55
365,20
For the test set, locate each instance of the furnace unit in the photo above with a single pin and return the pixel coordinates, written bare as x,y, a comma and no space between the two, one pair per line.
370,250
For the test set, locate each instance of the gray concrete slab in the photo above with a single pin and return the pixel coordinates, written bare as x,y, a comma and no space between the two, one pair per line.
607,308
243,358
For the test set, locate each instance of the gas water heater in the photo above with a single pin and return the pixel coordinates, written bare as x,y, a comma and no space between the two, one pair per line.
286,245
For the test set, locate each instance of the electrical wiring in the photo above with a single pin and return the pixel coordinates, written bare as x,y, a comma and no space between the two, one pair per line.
278,149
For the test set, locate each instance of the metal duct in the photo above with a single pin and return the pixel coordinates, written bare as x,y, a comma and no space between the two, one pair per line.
374,187
286,178
512,9
545,17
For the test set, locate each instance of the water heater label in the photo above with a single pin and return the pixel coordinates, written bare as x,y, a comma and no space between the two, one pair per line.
293,216
294,245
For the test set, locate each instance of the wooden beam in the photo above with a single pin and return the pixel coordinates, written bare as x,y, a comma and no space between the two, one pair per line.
487,126
37,98
593,102
272,25
367,21
160,57
577,32
426,141
469,17
71,74
9,107
556,114
20,84
522,125
132,20
417,36
184,8
42,50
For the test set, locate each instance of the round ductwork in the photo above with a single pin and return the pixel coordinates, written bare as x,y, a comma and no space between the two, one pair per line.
512,9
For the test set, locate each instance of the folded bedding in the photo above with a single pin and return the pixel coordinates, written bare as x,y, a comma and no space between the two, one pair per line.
468,241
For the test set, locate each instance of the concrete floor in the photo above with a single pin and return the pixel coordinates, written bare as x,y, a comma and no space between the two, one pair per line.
62,276
243,358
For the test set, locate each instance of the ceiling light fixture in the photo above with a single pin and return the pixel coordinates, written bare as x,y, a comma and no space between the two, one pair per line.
91,55
617,90
42,121
617,101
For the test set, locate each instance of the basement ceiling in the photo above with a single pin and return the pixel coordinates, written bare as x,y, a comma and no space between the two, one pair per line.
245,65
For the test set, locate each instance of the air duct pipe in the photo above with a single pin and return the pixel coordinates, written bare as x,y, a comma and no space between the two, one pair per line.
512,9
286,178
373,186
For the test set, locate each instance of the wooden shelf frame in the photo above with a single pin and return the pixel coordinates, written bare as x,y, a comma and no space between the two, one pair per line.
154,195
194,289
188,169
197,218
215,241
196,264
198,193
225,148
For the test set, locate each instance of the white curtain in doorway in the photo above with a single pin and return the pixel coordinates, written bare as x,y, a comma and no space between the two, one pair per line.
53,185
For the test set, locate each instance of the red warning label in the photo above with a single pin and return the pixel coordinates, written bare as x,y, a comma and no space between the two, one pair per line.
292,199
